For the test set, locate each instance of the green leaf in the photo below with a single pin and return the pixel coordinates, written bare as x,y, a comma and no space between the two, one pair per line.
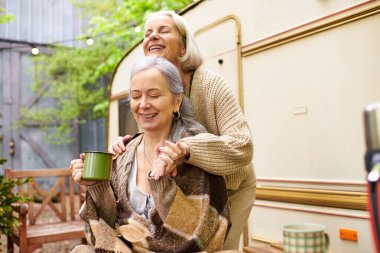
5,18
7,197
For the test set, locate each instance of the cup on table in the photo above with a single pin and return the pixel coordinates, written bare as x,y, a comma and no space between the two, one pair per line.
97,165
305,238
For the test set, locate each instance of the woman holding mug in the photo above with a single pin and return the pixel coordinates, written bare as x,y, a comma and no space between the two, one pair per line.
140,209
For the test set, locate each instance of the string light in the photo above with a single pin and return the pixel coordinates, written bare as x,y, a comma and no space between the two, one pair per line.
137,29
90,41
35,50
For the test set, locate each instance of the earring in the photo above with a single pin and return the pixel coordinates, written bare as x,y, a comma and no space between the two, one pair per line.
176,115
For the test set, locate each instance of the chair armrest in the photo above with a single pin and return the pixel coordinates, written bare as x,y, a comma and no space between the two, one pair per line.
20,208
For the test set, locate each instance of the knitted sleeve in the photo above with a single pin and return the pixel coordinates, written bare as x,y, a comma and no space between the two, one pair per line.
228,146
100,199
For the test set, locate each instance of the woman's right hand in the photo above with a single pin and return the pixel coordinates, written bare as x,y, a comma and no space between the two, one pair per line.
118,147
76,167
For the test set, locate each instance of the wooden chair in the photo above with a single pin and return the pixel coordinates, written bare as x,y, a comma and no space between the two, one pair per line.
33,232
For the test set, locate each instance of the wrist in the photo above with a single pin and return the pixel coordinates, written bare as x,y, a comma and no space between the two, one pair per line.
92,184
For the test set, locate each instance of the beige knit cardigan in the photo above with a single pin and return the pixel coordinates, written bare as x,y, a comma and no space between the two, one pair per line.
227,148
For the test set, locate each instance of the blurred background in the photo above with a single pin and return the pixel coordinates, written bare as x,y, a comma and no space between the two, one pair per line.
56,61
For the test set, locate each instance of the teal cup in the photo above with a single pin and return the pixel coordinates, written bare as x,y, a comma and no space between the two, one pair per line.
97,165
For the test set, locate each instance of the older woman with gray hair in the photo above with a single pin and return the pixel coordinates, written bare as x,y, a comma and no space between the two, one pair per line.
227,148
142,209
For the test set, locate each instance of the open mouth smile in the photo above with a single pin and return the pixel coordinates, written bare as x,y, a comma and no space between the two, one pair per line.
148,116
154,48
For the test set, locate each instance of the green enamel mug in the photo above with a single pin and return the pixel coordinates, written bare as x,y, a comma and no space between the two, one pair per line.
97,165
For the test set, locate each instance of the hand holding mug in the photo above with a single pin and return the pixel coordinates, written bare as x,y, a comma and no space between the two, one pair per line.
91,167
76,167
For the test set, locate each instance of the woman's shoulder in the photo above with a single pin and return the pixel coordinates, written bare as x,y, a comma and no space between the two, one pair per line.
207,78
206,73
209,83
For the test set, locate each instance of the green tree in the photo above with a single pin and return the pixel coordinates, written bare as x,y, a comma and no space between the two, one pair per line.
76,79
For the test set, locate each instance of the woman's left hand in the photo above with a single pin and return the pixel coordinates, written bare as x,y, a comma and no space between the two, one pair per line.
175,154
171,154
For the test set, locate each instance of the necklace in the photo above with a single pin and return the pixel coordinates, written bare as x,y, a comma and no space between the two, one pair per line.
148,161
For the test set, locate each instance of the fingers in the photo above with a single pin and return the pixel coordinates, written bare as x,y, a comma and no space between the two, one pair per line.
75,164
158,172
118,147
171,150
167,160
126,138
171,154
77,175
163,165
165,168
110,150
174,172
158,168
76,167
184,147
72,162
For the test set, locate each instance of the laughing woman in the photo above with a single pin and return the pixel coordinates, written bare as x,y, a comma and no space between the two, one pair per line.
141,210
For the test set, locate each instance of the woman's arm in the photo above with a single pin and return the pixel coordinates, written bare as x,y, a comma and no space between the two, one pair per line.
228,146
100,201
105,202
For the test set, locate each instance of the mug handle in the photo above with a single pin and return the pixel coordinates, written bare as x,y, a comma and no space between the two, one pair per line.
327,242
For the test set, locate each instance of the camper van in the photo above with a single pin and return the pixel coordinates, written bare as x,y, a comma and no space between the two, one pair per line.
302,72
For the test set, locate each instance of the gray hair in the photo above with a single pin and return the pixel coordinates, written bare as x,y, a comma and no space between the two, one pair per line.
192,58
186,125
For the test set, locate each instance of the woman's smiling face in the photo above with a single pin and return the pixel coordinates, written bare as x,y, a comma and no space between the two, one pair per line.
161,38
152,103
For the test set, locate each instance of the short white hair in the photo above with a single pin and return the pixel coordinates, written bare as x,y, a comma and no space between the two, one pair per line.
192,58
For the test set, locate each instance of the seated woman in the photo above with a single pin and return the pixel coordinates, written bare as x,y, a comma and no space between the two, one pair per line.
143,208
